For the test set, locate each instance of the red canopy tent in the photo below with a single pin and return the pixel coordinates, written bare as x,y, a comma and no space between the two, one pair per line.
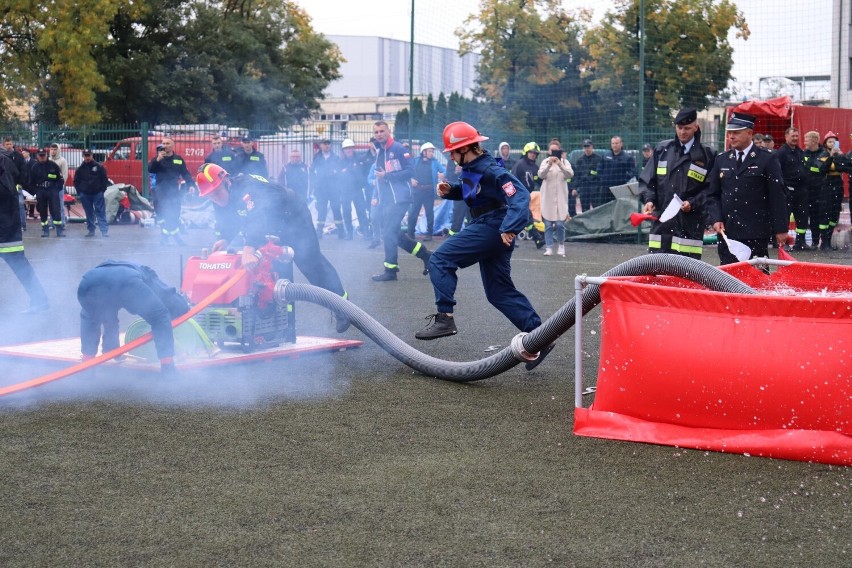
774,116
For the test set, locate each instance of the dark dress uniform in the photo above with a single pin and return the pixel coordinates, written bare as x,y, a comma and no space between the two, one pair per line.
167,195
670,172
749,198
114,285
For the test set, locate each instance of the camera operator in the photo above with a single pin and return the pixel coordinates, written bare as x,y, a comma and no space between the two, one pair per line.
170,169
555,172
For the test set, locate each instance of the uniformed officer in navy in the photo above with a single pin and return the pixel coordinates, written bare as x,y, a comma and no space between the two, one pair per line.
116,284
249,160
222,154
678,166
499,208
170,169
746,198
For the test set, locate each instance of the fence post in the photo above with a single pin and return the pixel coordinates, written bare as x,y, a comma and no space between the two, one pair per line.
146,178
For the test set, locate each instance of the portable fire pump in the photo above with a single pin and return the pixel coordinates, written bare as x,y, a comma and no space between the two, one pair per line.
247,313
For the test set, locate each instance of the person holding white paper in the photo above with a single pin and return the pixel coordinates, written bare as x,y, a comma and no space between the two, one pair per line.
674,182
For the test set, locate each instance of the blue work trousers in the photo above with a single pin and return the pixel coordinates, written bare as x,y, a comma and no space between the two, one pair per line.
480,242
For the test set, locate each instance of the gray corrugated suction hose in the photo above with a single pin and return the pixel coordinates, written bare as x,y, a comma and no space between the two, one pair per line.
548,332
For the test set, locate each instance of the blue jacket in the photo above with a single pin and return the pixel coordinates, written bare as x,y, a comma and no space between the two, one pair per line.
485,183
398,166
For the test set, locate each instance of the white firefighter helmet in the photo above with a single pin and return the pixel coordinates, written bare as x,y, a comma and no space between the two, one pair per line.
347,143
427,146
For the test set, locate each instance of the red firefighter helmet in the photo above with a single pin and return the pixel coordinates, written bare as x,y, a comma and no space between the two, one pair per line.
828,135
460,134
209,177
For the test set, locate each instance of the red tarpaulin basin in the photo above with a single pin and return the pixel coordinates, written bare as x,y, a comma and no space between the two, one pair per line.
764,375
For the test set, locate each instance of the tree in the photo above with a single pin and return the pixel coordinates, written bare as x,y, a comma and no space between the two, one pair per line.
688,57
47,50
235,61
530,65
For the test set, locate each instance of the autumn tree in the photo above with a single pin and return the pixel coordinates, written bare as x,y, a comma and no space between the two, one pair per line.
46,49
529,71
688,57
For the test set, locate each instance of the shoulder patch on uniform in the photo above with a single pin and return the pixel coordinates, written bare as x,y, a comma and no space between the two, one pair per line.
509,189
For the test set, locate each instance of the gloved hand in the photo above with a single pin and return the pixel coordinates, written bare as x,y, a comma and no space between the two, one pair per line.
250,258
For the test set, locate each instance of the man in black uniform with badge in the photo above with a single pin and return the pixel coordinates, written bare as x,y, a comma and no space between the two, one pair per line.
678,167
792,159
221,154
746,199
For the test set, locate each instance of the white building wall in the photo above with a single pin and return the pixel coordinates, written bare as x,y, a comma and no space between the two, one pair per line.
378,67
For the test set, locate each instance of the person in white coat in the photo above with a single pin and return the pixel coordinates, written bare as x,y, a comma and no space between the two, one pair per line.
555,172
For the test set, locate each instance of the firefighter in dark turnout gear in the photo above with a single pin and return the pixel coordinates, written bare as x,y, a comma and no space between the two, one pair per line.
12,240
393,172
499,206
47,183
169,169
817,163
586,180
834,182
114,285
792,158
249,161
678,167
248,208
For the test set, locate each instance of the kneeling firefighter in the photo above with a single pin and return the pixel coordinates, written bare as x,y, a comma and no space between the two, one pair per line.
117,284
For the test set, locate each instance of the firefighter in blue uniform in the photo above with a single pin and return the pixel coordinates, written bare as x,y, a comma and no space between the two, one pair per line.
169,168
11,237
249,207
393,171
678,166
114,285
499,208
47,183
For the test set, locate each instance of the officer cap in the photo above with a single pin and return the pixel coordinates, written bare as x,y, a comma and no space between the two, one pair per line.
686,116
41,151
740,121
87,152
587,142
647,146
247,139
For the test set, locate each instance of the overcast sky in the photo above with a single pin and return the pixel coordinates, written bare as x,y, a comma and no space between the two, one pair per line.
788,37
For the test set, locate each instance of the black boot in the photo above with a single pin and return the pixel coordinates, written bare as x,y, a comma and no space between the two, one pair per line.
800,242
45,231
388,275
826,240
60,231
442,325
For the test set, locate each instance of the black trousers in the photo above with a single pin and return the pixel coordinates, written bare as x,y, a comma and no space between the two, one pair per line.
23,270
422,198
